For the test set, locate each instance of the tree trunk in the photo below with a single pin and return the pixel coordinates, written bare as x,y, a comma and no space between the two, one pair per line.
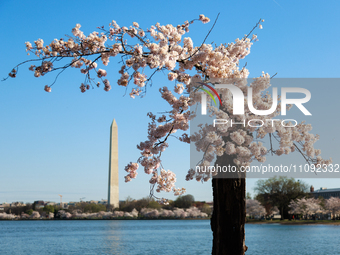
229,213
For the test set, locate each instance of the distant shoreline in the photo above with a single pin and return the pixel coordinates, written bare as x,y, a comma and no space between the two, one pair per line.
106,219
297,222
283,222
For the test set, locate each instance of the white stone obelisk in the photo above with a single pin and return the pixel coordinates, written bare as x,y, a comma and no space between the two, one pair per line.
113,194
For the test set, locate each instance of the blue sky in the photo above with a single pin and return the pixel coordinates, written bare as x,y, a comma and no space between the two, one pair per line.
57,143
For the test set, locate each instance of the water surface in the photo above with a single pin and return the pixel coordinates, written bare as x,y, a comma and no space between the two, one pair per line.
158,237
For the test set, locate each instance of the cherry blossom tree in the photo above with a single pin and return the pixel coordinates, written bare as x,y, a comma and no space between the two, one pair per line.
333,205
50,215
254,208
279,191
305,206
5,216
145,52
274,210
35,215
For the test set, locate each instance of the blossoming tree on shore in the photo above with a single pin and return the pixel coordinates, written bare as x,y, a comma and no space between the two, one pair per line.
305,206
310,206
333,206
254,208
166,48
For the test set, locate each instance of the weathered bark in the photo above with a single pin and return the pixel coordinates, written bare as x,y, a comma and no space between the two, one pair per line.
229,212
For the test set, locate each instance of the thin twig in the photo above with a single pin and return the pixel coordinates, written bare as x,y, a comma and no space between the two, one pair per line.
273,76
252,30
204,38
271,145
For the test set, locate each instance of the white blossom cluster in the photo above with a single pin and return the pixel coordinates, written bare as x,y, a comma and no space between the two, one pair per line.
310,206
159,47
9,216
305,206
192,212
254,208
105,215
333,205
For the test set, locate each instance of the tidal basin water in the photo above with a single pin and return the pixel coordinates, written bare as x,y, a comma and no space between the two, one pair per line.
158,237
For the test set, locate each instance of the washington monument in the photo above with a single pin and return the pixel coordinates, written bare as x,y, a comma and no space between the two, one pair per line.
113,194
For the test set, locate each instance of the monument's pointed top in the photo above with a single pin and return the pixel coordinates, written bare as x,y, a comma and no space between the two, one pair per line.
114,123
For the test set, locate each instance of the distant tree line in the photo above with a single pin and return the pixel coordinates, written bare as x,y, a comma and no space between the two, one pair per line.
185,202
128,205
